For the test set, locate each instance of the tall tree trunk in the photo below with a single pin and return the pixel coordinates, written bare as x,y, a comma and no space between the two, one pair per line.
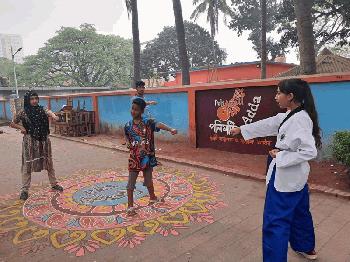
305,36
263,39
213,44
136,41
181,40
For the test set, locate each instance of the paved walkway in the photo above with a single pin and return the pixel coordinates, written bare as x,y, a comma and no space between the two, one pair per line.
4,122
326,176
224,227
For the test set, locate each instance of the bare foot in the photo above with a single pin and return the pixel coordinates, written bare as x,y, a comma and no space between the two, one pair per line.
155,201
131,212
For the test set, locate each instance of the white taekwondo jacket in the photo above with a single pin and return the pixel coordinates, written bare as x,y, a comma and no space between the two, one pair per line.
297,145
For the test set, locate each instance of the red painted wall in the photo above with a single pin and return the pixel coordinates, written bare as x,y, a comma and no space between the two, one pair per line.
234,72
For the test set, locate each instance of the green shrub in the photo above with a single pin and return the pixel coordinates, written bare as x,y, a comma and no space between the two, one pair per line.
341,147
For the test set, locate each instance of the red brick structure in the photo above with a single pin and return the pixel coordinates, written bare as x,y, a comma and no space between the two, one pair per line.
237,71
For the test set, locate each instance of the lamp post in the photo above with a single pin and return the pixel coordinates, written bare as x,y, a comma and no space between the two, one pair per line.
14,68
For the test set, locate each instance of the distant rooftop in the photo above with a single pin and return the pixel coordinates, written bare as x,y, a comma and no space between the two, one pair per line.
237,64
326,62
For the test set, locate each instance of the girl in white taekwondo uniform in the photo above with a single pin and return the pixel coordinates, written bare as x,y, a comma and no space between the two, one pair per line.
287,215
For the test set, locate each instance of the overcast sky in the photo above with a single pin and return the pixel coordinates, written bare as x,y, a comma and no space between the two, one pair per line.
38,20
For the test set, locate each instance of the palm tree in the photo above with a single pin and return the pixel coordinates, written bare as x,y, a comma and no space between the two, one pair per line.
263,38
306,38
181,40
213,8
131,6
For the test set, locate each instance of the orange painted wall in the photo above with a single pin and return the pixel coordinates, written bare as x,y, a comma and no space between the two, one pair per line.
234,72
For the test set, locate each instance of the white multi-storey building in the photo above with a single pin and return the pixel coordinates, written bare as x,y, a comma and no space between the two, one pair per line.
10,40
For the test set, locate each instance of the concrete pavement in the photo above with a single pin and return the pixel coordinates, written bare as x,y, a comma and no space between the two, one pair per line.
233,234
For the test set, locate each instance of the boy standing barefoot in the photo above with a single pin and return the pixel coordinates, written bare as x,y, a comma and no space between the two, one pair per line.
139,135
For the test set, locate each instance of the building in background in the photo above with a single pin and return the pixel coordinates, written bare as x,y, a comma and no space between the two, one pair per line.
326,62
233,72
8,40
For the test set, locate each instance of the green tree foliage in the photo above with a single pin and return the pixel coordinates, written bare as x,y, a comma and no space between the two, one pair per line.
341,147
341,50
246,16
331,20
6,71
7,75
162,53
80,57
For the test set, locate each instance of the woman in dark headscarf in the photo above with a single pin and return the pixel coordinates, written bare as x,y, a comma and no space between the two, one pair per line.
33,122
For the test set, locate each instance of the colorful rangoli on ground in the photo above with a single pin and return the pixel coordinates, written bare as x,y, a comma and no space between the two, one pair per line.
90,214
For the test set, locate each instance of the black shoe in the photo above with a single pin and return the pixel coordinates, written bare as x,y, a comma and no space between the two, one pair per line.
58,188
24,196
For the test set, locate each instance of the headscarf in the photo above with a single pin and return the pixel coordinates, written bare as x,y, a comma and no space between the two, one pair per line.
37,122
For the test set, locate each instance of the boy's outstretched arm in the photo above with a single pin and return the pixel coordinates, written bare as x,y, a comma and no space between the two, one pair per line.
166,128
151,103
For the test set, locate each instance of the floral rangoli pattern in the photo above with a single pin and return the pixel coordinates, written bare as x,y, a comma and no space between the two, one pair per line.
90,214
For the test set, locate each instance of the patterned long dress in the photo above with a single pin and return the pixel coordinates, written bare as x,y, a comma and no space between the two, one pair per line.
36,155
